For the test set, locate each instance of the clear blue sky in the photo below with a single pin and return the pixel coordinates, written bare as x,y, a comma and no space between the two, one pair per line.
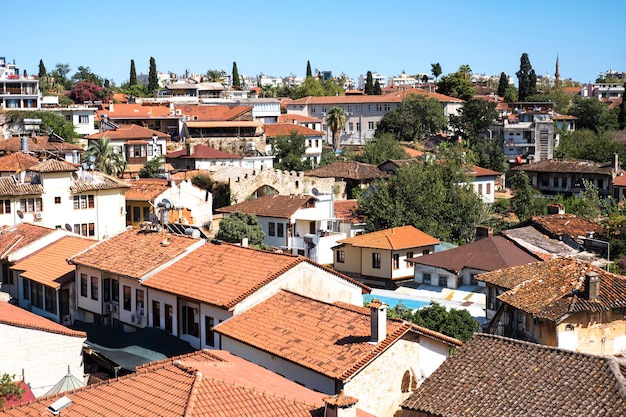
278,37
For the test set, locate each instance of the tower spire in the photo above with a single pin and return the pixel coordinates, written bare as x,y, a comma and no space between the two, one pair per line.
557,74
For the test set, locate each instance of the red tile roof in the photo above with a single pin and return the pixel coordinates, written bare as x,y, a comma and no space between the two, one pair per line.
497,376
347,210
17,162
204,383
477,171
128,132
135,111
11,315
552,289
39,144
201,151
296,118
330,339
53,165
347,170
49,266
488,254
286,129
557,225
279,206
392,239
413,153
566,166
146,189
216,112
16,237
134,253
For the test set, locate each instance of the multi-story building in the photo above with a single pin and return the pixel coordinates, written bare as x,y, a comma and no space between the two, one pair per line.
17,91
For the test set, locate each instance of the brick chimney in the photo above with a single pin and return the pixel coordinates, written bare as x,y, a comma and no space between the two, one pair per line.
592,286
378,321
340,405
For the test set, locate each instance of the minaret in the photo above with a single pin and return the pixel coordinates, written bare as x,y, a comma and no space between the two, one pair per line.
557,74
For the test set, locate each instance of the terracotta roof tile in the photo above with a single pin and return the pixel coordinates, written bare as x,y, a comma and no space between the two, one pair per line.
279,206
16,237
49,265
10,187
15,316
216,112
201,151
286,129
17,162
557,225
331,339
296,118
392,239
497,376
146,189
413,153
552,289
39,144
566,166
96,180
128,132
348,210
134,253
488,254
54,165
135,111
199,384
347,169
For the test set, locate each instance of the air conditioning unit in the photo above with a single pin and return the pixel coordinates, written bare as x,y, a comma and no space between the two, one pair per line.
323,113
108,307
133,318
114,308
38,216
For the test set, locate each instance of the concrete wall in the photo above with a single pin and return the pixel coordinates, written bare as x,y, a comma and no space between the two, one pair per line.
596,333
43,357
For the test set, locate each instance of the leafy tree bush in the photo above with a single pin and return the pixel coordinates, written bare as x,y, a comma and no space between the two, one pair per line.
524,201
50,121
9,389
239,225
106,158
416,118
527,79
151,168
456,85
84,91
587,144
204,181
289,151
593,114
382,148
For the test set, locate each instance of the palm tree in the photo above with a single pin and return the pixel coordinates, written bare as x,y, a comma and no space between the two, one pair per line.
336,120
106,157
466,71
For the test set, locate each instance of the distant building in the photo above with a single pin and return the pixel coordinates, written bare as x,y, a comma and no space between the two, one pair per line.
17,91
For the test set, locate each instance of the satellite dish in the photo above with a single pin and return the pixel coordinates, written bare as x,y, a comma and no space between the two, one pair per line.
74,176
315,191
20,214
68,227
92,167
92,158
154,219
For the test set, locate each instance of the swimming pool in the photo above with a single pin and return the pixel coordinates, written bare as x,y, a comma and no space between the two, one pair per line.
393,301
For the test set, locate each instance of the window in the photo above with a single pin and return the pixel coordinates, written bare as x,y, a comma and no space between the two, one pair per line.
376,260
387,107
271,229
30,205
379,107
5,206
83,285
169,313
341,256
396,260
370,108
357,109
115,290
81,201
425,252
409,255
83,119
137,151
26,284
106,289
488,188
57,200
480,189
85,229
425,278
139,301
190,326
209,337
313,109
358,126
50,300
370,125
473,280
126,298
281,230
323,109
156,313
36,294
94,288
350,126
443,281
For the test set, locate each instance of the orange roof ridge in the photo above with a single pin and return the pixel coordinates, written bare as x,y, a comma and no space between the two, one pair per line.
193,395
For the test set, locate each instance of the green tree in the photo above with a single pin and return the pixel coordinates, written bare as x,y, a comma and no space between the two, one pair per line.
377,90
524,196
84,74
151,168
236,79
454,323
489,154
466,71
60,75
106,157
503,83
84,91
456,85
621,115
153,77
309,73
382,148
204,181
133,74
289,151
332,88
527,79
510,94
310,87
589,145
425,78
369,83
136,90
239,225
558,96
9,389
336,120
416,118
590,201
42,70
436,70
435,197
474,118
51,122
214,76
593,114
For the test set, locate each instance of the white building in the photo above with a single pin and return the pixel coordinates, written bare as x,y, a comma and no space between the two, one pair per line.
17,91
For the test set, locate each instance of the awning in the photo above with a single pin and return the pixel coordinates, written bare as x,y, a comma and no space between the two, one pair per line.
128,357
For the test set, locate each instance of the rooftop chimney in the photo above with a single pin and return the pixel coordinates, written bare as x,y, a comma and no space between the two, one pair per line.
340,405
615,162
592,286
556,208
378,321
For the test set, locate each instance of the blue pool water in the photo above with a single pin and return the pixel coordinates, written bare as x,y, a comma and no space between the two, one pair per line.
393,301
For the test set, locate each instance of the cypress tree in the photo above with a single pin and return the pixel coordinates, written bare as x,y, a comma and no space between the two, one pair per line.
527,79
133,74
309,73
377,90
621,116
42,70
503,84
236,80
369,83
153,80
